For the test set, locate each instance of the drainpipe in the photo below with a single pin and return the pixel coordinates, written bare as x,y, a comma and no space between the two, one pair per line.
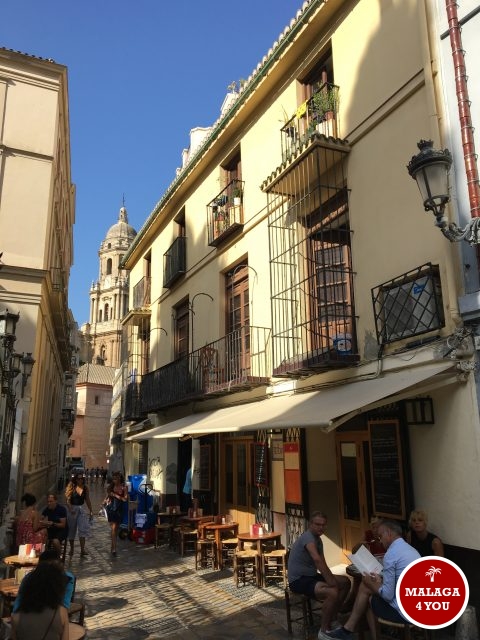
464,108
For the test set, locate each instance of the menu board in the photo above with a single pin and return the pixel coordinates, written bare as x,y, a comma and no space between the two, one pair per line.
260,464
387,469
205,472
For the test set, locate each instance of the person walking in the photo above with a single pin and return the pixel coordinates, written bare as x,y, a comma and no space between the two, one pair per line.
77,496
117,496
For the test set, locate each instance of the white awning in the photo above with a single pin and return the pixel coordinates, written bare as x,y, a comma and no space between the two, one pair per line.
326,408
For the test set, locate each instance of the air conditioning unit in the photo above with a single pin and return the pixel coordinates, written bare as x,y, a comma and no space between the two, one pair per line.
412,308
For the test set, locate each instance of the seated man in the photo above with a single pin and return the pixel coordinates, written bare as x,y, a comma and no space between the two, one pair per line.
55,519
309,574
378,591
52,557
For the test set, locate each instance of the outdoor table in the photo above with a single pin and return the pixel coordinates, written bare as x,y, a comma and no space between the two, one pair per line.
195,521
271,536
76,631
20,561
170,517
8,591
217,530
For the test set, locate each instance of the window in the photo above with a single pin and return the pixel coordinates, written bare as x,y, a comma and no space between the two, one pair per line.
237,321
109,266
182,315
232,169
409,305
321,73
106,311
97,399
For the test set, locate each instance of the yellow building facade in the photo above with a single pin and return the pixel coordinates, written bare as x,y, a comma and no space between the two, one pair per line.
37,210
302,345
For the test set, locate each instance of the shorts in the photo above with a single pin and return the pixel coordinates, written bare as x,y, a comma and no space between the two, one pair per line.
78,521
382,609
306,584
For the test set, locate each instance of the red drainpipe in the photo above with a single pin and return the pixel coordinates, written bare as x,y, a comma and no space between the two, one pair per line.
464,108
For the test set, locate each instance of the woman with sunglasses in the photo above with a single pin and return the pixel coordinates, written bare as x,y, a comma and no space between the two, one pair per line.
77,495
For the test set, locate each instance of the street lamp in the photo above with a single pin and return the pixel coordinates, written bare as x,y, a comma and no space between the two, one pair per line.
8,325
430,168
27,367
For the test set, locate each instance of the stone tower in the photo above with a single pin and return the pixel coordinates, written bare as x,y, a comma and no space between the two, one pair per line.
108,298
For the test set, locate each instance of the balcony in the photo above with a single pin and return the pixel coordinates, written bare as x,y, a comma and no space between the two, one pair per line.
141,293
175,262
225,213
238,361
319,114
132,402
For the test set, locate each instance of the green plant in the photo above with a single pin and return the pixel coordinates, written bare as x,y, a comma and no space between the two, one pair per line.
237,191
325,100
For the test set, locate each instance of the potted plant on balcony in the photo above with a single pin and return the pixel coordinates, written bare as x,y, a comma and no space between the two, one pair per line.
325,102
237,195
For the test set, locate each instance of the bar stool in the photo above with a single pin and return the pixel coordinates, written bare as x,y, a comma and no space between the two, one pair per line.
229,546
274,566
404,630
163,533
205,554
188,540
300,608
246,567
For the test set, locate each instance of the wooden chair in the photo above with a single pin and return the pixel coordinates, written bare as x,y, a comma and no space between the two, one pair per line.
77,607
205,554
229,546
302,609
404,631
163,533
246,567
188,540
274,566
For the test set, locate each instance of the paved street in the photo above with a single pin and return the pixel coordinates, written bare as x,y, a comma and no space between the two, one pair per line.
148,594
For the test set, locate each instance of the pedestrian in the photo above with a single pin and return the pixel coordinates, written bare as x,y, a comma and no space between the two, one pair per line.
309,574
187,491
79,519
28,526
41,615
55,520
114,503
376,593
104,473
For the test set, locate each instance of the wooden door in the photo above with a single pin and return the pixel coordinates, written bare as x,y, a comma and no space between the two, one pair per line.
353,469
236,489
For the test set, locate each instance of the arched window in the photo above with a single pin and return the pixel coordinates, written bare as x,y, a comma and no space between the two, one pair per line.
100,316
106,311
109,266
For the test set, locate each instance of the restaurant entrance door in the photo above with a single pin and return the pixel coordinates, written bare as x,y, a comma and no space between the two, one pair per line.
353,469
236,486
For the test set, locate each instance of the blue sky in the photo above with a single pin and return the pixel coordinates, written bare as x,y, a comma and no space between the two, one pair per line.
141,74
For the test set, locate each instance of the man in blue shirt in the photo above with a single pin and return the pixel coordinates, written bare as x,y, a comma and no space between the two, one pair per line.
379,591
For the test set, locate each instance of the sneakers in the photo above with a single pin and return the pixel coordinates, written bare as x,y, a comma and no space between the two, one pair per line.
340,633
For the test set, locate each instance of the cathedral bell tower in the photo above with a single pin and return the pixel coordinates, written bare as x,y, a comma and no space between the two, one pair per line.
108,297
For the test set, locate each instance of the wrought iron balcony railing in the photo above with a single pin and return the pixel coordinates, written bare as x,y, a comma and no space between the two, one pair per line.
132,401
225,213
175,262
318,114
239,360
141,293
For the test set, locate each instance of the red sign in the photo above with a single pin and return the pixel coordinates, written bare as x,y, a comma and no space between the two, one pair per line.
432,592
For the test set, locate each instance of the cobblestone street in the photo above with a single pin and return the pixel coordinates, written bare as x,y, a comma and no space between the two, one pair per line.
154,593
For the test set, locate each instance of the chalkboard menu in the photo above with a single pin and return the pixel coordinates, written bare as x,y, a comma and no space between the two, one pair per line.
387,469
260,464
205,472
